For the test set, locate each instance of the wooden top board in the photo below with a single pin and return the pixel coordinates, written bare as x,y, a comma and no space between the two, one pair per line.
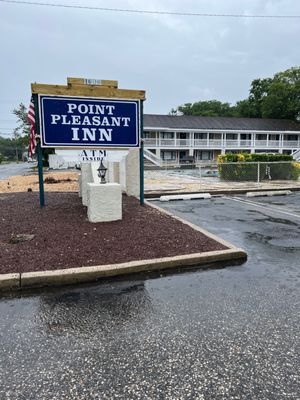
77,87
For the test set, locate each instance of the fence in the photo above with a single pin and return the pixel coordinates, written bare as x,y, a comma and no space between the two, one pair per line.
213,175
258,171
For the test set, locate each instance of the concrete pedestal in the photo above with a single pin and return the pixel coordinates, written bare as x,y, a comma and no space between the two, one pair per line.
104,202
86,177
79,185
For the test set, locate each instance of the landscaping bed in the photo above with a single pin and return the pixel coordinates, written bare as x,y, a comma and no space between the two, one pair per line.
60,236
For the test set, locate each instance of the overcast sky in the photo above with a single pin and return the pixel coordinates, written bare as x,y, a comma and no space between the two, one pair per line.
175,59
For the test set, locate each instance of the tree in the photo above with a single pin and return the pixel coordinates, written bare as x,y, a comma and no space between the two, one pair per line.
245,108
11,148
277,97
258,91
22,131
23,128
283,96
210,108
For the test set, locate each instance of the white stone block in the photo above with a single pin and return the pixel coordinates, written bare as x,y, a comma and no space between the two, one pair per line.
123,174
113,172
132,163
104,202
57,162
86,177
79,185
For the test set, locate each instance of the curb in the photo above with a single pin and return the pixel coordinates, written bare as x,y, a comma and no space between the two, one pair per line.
90,274
10,281
69,276
154,195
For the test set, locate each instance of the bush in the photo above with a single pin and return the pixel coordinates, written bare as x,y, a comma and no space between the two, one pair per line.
1,158
244,167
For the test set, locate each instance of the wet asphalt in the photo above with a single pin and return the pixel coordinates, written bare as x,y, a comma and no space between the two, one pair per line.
229,333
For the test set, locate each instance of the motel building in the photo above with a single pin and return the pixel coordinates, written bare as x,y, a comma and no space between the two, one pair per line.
183,139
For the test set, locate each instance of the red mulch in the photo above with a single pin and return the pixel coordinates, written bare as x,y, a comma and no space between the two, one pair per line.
64,238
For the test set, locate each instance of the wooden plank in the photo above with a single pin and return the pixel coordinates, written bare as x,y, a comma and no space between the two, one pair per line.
87,91
75,81
109,83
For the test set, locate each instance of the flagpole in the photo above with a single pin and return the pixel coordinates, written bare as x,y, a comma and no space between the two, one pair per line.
39,153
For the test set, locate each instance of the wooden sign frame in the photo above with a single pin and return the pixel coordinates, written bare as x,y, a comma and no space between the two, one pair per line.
106,89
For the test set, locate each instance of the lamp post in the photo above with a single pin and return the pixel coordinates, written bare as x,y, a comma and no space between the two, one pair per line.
102,171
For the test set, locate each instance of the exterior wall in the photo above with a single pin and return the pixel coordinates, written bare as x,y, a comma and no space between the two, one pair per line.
175,145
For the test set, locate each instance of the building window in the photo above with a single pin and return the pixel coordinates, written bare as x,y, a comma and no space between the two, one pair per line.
200,135
204,155
149,135
231,136
168,155
167,135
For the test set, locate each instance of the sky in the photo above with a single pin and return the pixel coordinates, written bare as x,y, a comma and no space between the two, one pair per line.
176,59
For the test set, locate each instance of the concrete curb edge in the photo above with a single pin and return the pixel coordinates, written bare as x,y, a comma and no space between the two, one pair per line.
69,276
91,274
215,192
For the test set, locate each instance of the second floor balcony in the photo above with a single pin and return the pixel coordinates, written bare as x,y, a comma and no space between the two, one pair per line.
221,143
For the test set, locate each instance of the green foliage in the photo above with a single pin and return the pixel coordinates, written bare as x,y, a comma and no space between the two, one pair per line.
211,108
244,167
1,158
11,149
23,128
277,97
22,133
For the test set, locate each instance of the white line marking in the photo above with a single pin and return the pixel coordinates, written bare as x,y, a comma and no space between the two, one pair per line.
266,207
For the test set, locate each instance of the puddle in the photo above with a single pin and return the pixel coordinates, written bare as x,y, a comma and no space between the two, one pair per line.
276,221
258,237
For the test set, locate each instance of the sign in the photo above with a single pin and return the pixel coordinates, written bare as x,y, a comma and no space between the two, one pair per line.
92,155
92,81
69,122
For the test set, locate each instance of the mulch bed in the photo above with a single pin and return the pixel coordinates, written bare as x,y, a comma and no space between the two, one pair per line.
64,238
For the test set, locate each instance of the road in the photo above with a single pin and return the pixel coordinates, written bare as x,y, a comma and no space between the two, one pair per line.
13,169
230,333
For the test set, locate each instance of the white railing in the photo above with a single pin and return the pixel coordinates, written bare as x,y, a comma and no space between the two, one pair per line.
152,157
291,143
166,143
150,142
218,143
183,142
296,155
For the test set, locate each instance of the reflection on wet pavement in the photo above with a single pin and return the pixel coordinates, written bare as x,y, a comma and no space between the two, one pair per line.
217,334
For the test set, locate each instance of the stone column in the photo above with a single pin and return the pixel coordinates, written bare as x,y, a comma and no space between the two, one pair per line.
86,177
132,168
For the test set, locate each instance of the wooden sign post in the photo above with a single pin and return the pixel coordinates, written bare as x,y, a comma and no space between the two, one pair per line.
88,113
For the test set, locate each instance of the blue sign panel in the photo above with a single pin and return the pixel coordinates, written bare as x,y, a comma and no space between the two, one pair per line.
88,122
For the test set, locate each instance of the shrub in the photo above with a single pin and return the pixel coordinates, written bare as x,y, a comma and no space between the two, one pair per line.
244,167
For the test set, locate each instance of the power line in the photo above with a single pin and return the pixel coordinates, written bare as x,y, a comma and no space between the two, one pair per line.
123,10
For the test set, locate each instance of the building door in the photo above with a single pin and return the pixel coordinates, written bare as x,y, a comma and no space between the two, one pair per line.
182,155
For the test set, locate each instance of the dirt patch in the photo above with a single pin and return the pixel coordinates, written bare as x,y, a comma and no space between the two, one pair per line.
53,181
64,238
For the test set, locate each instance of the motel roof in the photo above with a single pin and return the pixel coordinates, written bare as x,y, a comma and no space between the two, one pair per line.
218,123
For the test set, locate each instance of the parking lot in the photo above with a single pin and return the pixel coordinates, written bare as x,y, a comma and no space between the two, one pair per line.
229,333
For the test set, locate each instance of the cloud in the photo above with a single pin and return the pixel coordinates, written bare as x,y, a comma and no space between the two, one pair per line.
176,59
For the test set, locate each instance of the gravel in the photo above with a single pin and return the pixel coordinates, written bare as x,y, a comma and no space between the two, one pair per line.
64,238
